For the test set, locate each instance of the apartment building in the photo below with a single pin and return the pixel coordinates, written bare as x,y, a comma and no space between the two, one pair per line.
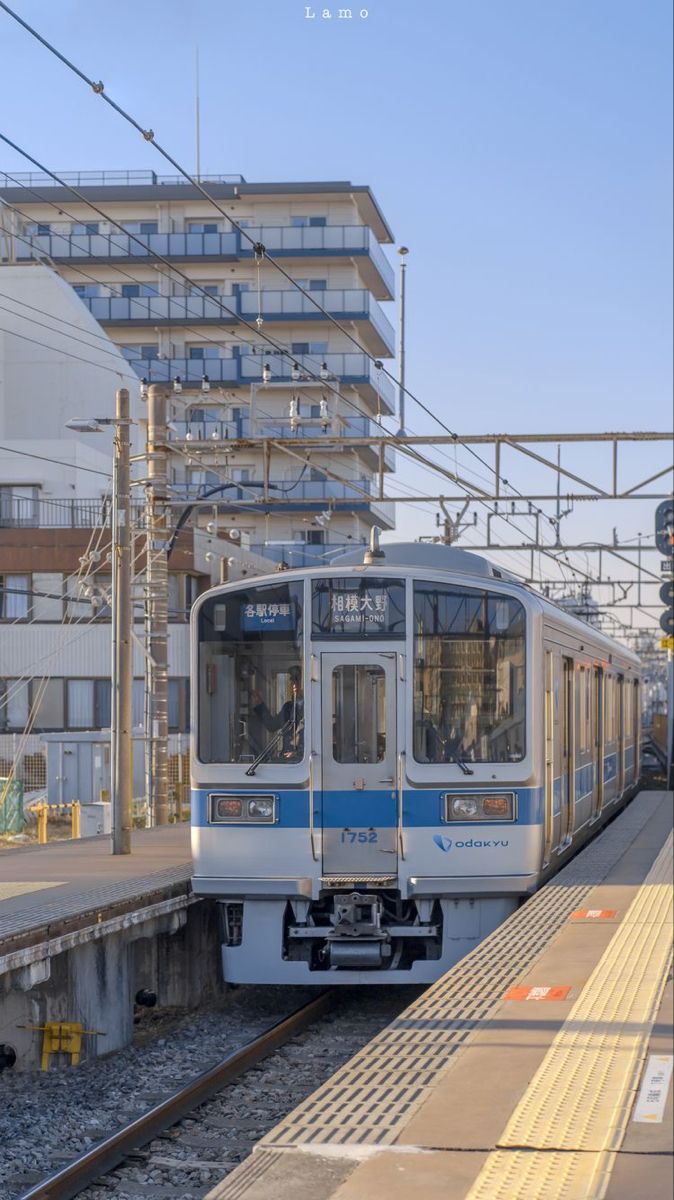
179,317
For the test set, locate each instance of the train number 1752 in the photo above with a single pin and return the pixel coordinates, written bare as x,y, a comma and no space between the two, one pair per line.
359,835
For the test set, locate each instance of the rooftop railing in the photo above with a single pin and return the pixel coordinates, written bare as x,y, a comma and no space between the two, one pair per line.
106,179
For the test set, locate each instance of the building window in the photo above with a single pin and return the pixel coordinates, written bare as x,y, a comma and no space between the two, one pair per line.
47,705
19,506
39,228
131,291
318,285
313,222
14,706
197,352
14,597
315,537
178,705
87,227
202,227
145,351
144,227
88,703
86,290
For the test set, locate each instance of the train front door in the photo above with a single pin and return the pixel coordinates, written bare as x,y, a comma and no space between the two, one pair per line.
360,802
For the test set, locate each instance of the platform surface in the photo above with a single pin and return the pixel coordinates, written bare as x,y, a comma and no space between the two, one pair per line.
42,887
536,1069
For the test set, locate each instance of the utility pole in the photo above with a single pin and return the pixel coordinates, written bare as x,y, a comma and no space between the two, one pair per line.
121,744
156,605
401,388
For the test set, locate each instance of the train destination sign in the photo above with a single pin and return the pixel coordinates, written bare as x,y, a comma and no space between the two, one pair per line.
353,607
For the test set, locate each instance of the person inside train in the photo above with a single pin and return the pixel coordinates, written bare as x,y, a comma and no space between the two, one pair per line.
288,722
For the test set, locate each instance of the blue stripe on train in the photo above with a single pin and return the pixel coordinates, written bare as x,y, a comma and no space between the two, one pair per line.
421,809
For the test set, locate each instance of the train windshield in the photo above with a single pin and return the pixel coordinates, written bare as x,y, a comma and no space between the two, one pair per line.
469,675
251,687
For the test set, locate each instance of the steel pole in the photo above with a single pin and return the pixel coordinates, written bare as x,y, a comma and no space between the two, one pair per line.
401,387
156,671
121,745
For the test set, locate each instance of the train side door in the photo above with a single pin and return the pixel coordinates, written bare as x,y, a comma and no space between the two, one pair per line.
597,741
358,765
566,724
549,778
620,733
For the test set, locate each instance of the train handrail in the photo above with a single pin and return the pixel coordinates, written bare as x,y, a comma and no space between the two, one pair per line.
311,808
400,791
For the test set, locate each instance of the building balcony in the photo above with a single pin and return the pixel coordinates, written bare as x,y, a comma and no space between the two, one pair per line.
207,432
344,369
357,495
288,305
327,241
355,242
345,304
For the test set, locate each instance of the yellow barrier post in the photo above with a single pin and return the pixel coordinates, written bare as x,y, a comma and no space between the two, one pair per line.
75,819
42,811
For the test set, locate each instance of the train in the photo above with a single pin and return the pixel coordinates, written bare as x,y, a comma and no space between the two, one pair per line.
389,753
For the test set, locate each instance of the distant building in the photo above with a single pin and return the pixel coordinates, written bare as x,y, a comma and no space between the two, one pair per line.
328,237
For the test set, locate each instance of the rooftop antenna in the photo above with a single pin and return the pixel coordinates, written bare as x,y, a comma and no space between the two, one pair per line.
197,118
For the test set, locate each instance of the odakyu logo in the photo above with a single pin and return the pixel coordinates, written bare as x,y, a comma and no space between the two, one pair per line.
446,843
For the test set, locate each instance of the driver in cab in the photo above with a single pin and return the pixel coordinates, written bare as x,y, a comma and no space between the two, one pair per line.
290,717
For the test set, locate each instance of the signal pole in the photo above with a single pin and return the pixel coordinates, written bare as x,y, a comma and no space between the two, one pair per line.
156,605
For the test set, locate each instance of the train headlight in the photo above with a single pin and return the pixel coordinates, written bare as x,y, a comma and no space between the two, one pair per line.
463,807
479,807
229,809
261,809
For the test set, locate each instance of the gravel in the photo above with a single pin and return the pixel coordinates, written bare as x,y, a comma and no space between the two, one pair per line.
48,1119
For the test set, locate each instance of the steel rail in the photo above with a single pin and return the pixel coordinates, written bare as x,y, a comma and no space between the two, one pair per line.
111,1152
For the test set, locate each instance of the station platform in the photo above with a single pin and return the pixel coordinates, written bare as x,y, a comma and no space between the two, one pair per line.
46,891
538,1068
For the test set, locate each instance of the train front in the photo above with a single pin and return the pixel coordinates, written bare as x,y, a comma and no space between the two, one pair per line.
355,740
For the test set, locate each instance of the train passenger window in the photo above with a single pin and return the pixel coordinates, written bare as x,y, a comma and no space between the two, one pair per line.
469,675
251,698
358,714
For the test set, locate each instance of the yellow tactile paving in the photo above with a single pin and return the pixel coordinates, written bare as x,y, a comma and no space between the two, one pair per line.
7,890
562,1138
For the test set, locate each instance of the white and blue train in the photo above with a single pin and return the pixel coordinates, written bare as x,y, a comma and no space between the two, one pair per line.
388,754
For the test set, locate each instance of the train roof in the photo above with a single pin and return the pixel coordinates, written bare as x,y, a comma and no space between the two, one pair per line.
436,557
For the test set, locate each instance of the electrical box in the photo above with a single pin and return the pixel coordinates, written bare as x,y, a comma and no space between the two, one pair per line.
95,818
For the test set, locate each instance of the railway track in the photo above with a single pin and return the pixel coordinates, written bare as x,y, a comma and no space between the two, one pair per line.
112,1152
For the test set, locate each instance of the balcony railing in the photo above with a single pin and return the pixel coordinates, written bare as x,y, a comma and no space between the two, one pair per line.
103,246
111,309
342,369
348,304
18,512
281,241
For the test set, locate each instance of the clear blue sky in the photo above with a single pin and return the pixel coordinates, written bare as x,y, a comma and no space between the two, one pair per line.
521,150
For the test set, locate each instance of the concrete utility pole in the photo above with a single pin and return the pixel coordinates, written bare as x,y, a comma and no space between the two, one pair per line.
156,604
121,745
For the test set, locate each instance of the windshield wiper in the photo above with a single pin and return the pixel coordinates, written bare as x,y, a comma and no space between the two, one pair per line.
461,762
270,746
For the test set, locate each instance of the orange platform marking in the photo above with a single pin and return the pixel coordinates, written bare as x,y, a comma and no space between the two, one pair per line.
537,993
593,914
